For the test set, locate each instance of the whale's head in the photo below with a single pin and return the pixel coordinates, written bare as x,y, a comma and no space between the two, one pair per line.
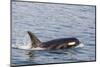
64,43
72,42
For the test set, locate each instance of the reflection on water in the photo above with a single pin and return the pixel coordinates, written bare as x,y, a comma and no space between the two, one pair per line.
51,21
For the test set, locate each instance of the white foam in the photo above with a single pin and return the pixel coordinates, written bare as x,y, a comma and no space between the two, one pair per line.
27,47
20,46
80,45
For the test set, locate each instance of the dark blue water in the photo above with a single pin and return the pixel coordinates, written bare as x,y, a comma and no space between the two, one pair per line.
51,21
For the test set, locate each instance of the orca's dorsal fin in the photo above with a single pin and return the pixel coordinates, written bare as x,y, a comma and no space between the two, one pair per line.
35,42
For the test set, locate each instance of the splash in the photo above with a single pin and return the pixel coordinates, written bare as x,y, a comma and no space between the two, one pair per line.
80,45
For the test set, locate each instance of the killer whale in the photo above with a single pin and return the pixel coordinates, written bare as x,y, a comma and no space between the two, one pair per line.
61,43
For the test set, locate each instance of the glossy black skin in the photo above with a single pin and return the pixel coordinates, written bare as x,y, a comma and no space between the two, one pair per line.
60,43
53,44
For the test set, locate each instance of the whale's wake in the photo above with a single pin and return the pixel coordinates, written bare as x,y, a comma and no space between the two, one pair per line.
26,47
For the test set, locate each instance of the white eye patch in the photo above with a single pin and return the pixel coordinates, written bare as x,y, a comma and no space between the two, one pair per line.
71,43
38,48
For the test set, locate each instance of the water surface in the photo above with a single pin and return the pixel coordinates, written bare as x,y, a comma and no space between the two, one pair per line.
52,21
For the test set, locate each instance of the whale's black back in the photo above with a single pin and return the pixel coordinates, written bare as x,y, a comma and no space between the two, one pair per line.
59,42
53,44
